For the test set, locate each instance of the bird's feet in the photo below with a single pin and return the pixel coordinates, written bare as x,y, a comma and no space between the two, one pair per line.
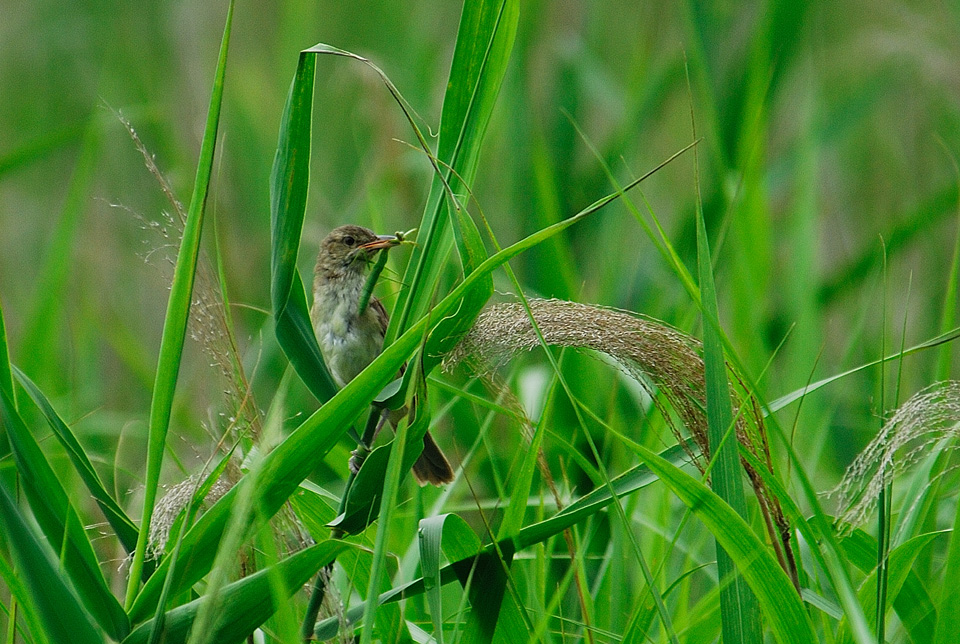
357,457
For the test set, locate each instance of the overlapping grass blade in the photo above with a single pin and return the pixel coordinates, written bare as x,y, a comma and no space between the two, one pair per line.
247,603
463,552
448,533
912,603
178,314
483,48
738,608
484,43
363,499
900,561
62,616
124,528
948,608
289,181
796,395
768,582
60,525
6,373
397,465
20,601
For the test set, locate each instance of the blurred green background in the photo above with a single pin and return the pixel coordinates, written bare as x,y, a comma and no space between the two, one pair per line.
830,131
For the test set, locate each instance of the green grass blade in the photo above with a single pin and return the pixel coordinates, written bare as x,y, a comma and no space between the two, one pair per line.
484,42
244,605
758,566
463,551
179,528
395,471
430,537
20,601
450,534
630,481
178,314
934,206
39,347
6,373
771,587
794,396
58,521
62,616
363,499
485,580
523,483
948,608
913,604
289,180
738,608
125,529
900,562
948,313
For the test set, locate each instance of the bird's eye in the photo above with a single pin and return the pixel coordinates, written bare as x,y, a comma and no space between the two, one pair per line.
349,241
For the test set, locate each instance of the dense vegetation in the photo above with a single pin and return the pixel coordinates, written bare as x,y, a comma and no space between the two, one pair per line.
661,251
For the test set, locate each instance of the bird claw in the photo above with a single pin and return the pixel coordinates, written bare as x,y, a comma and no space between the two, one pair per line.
357,457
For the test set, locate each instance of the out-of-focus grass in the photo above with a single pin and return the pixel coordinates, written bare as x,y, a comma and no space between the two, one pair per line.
826,127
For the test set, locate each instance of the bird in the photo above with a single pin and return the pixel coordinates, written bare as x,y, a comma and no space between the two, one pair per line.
350,339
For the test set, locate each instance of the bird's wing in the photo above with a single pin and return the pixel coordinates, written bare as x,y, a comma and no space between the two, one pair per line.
382,318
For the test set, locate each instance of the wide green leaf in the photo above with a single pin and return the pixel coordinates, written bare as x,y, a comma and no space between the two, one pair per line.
738,608
444,533
61,525
289,180
246,604
484,42
125,529
63,617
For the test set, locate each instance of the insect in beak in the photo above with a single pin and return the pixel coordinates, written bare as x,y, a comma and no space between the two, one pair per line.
382,241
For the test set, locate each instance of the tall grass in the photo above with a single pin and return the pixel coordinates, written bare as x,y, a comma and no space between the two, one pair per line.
541,151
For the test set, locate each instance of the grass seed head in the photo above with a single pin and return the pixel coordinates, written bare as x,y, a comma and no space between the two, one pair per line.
921,422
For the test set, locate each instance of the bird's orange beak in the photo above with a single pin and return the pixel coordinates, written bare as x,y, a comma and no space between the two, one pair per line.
382,241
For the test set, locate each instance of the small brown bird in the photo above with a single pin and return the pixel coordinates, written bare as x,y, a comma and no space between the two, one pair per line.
349,339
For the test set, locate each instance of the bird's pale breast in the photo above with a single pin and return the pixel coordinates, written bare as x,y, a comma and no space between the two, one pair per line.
349,342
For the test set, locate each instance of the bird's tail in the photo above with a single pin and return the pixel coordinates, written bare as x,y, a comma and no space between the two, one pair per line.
432,466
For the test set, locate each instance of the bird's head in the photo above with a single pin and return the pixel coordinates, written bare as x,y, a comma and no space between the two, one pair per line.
349,249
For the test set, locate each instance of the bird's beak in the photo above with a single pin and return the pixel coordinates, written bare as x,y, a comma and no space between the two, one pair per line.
382,241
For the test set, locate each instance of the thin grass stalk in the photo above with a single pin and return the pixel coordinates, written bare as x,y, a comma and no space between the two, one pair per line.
886,492
948,312
6,372
177,316
391,485
319,590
